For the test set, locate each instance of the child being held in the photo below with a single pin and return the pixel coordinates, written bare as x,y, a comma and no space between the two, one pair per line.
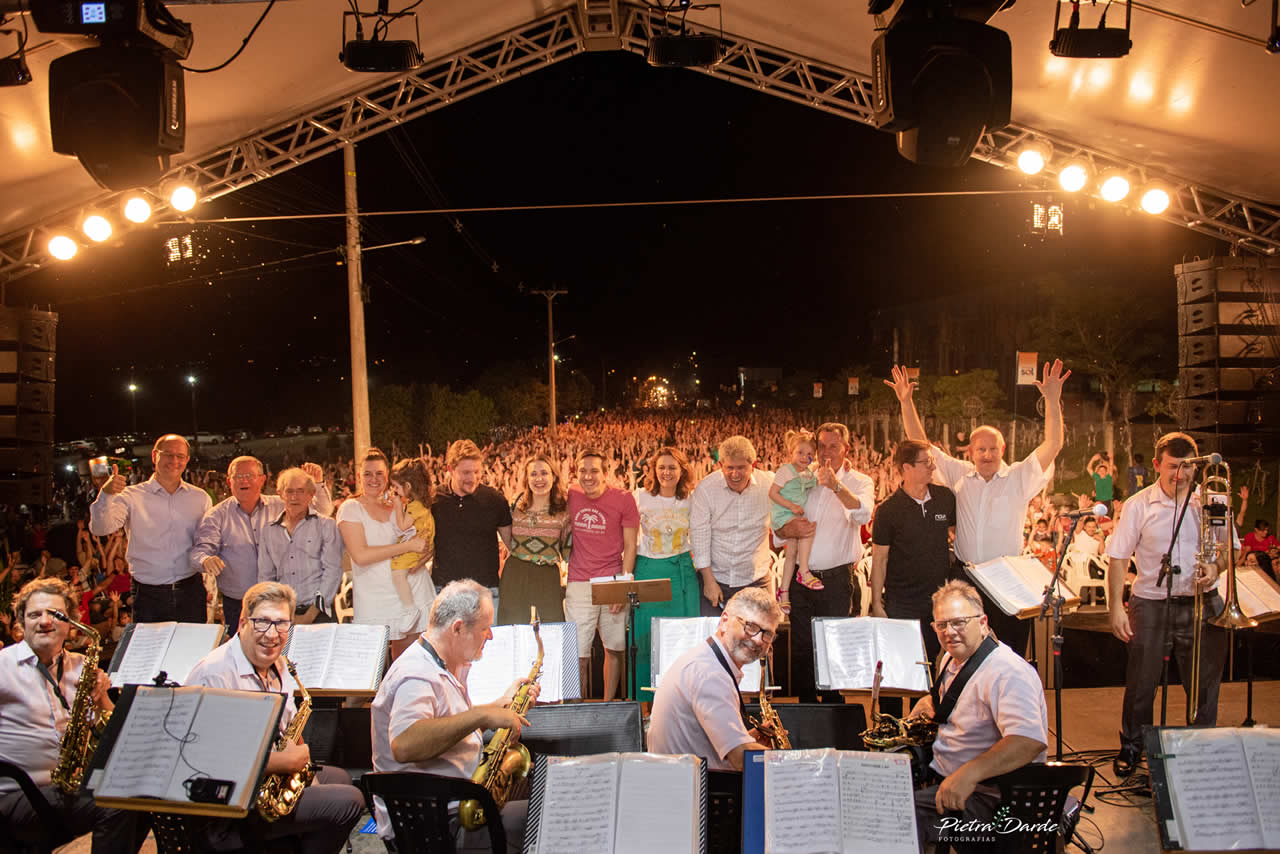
411,494
791,486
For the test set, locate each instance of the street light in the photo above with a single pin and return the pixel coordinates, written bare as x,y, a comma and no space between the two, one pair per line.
195,430
133,400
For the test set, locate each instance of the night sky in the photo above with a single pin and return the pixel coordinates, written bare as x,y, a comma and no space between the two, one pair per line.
647,285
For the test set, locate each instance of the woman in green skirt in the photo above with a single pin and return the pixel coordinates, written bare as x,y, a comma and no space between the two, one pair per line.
663,549
539,529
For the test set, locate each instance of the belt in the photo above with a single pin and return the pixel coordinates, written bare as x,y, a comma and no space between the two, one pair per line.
1183,600
843,566
173,586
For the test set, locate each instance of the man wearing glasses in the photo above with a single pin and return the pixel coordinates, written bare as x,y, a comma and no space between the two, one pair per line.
302,548
910,542
697,708
330,806
989,706
162,515
229,535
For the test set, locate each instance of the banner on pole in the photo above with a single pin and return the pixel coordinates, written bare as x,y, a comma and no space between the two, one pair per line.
853,386
817,389
1026,367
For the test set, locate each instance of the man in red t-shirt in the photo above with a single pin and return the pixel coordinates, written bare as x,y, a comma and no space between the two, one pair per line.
604,521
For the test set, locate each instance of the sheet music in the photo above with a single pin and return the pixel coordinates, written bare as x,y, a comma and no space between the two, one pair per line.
672,636
1006,585
146,751
1256,596
356,657
877,803
491,676
309,649
552,678
1212,795
147,645
1262,753
226,738
901,645
801,802
579,804
822,671
190,643
649,788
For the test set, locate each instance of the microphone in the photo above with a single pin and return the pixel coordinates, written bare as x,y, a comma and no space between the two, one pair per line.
1095,510
1212,459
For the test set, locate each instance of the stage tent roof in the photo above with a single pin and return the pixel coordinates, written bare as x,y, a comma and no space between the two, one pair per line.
1193,104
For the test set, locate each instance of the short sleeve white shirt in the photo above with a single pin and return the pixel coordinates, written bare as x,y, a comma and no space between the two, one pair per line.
696,708
32,718
990,514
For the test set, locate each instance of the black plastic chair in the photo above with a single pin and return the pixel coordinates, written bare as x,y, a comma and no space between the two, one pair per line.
53,830
1036,795
724,812
418,805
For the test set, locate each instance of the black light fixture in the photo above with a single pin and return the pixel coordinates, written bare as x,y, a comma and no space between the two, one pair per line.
683,49
380,55
13,68
1101,42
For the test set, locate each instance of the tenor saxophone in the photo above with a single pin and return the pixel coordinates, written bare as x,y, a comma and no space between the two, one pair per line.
890,734
770,727
86,721
505,761
280,793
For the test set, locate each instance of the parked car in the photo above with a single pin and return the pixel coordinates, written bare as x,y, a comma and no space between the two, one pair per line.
293,430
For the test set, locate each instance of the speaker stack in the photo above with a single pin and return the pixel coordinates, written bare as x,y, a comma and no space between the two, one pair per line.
27,341
1229,354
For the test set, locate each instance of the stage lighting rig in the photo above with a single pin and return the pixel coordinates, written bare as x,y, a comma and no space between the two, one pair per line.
1102,42
380,54
682,49
135,23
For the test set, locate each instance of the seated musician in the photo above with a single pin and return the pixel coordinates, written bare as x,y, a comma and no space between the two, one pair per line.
989,705
422,718
250,661
38,690
697,708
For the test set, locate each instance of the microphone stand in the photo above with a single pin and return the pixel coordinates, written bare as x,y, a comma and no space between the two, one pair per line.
1053,601
1167,571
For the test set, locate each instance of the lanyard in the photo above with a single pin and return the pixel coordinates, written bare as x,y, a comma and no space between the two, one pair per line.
942,706
742,709
57,688
434,655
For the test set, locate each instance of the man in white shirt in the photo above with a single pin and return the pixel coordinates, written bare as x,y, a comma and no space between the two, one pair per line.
992,719
729,526
834,514
38,682
991,495
1143,535
162,515
422,718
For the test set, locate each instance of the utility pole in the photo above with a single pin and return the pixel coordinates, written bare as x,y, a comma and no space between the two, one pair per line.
551,294
355,309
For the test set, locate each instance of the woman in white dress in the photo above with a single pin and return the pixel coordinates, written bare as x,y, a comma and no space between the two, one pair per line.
369,533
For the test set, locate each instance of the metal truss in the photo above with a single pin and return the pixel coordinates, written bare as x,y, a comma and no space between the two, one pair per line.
1245,224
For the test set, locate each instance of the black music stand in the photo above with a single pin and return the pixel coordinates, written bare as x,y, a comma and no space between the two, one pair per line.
631,593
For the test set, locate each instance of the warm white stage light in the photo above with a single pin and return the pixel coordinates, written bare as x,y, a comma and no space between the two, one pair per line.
182,198
1074,176
1114,186
1034,156
63,248
137,209
1155,199
96,228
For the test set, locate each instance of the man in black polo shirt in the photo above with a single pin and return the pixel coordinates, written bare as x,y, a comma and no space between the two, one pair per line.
910,542
469,519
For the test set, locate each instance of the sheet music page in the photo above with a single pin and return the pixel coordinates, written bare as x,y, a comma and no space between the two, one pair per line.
1035,578
579,804
801,802
146,751
190,643
309,649
901,645
227,735
851,653
1255,594
552,678
142,658
1262,753
822,671
750,677
491,676
674,636
1006,586
877,803
649,788
1212,795
356,657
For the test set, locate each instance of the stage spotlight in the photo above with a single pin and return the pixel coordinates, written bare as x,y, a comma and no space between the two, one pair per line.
62,247
182,197
1074,176
137,209
1155,198
96,228
1113,185
1034,156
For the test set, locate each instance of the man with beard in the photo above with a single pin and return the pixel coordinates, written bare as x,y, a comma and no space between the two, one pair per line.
697,708
422,718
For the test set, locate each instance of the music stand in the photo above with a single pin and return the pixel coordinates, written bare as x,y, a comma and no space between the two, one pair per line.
631,593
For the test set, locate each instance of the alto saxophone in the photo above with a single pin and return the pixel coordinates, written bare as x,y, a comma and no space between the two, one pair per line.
505,761
890,734
280,793
770,727
85,722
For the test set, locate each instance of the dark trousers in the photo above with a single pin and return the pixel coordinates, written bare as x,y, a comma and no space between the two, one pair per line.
321,822
1009,630
835,599
159,603
1146,657
931,827
726,593
114,831
231,614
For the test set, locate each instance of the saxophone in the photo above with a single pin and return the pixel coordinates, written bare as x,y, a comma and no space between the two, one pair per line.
769,725
890,734
85,722
279,793
505,761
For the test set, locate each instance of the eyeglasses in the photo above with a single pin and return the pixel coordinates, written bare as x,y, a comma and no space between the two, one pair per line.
174,456
750,629
927,461
262,624
956,624
245,477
